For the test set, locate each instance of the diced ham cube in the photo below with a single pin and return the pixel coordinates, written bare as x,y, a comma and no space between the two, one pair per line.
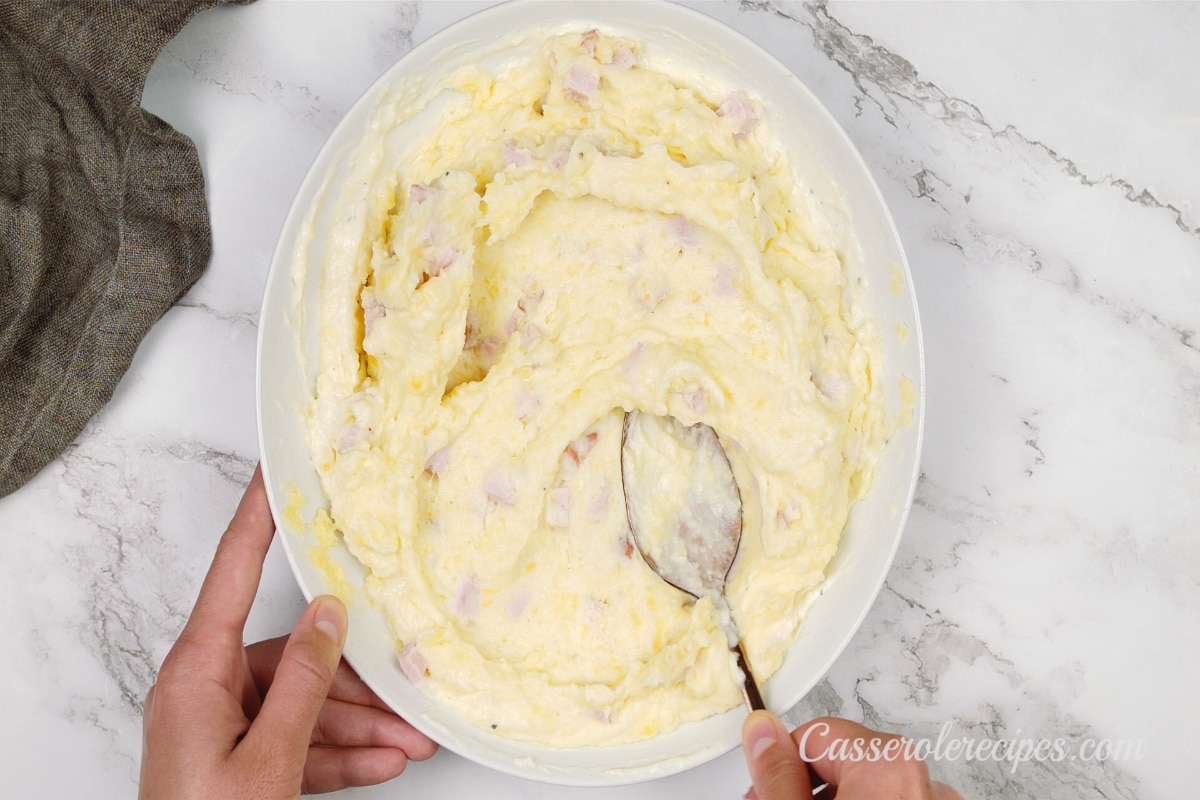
525,307
589,41
558,507
413,663
684,231
437,463
724,283
514,155
632,364
466,602
650,297
786,515
441,259
500,487
582,83
627,546
418,193
559,158
373,311
578,450
352,437
519,604
526,405
598,506
695,399
738,108
832,386
624,58
489,349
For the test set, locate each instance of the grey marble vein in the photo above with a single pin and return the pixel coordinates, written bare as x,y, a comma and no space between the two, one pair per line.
909,675
896,80
1051,542
394,36
137,579
238,319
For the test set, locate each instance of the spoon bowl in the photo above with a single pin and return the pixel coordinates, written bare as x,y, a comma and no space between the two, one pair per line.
685,513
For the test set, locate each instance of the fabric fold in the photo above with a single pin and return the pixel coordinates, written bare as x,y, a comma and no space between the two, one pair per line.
103,219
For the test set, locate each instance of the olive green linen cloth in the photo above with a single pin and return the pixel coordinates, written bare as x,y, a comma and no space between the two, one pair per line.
103,221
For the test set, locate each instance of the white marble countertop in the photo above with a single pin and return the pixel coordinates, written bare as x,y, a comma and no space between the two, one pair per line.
1041,162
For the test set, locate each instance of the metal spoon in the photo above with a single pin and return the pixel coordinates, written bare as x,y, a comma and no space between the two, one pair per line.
685,512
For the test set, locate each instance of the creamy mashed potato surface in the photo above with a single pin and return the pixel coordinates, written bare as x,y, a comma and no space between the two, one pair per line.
513,260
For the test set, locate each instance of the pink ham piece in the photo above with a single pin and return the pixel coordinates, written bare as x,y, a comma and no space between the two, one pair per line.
500,487
684,231
624,59
832,386
525,307
442,259
598,506
470,337
626,545
581,84
437,463
526,405
373,311
695,400
513,155
738,109
648,298
489,348
724,283
418,193
632,364
787,515
519,604
352,437
589,41
578,450
466,602
558,507
559,159
413,663
531,335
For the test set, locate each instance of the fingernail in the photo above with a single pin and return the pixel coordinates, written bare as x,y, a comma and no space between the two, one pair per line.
330,618
760,734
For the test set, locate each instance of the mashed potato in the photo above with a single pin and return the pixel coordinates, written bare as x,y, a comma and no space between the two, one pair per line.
515,259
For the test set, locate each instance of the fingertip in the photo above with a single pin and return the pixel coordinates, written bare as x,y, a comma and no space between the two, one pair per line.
423,749
400,733
388,763
775,766
329,617
330,769
760,732
306,670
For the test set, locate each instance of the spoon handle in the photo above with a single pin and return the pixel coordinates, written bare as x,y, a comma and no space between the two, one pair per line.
750,691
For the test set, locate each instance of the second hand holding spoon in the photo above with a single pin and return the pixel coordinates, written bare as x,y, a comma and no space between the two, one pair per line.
685,513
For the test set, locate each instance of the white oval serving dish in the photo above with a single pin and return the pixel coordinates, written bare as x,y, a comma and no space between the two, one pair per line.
826,161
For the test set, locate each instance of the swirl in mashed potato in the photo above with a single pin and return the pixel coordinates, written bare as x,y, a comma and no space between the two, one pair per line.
514,260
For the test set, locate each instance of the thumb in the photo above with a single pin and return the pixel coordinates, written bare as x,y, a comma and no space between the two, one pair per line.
776,769
284,726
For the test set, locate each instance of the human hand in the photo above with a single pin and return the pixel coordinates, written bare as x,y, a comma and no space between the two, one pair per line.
779,771
270,720
357,740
